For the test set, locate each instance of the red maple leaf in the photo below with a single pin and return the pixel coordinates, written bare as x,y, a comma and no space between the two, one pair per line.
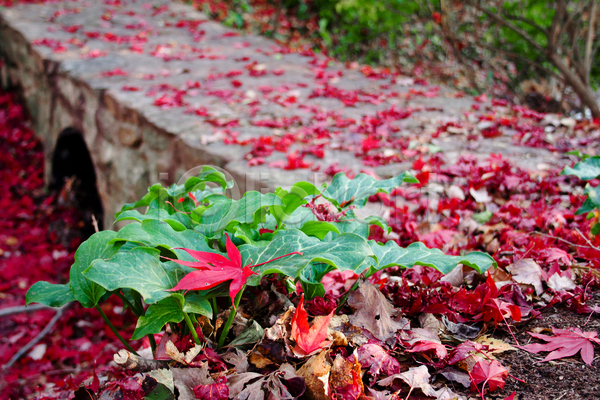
423,346
215,391
214,269
554,254
488,372
308,338
565,343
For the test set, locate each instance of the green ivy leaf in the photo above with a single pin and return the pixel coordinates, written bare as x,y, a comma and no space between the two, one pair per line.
483,216
139,269
157,315
417,253
98,246
591,203
249,336
224,213
52,295
343,191
208,174
156,194
153,233
310,279
177,221
352,224
346,252
245,233
159,197
319,229
587,207
291,199
585,170
197,303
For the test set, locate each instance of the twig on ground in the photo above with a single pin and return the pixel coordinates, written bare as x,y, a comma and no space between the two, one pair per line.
128,360
23,309
95,223
586,239
25,349
591,246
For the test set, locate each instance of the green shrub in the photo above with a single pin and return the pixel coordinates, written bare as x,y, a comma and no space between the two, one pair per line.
283,233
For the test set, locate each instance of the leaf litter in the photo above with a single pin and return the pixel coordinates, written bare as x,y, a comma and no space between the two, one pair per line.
524,219
387,311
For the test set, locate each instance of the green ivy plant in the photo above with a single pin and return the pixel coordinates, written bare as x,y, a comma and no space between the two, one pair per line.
300,233
586,170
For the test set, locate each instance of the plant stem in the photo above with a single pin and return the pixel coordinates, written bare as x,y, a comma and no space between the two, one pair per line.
138,302
112,328
215,306
152,342
345,296
128,304
229,321
190,325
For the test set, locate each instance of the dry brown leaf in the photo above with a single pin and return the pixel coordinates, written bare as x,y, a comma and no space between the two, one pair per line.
172,351
282,327
237,358
236,382
341,372
416,378
352,334
527,272
496,346
258,360
541,329
430,322
455,277
374,312
206,326
419,335
185,379
316,372
558,282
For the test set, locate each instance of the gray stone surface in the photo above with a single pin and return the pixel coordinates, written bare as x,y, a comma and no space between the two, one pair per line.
134,143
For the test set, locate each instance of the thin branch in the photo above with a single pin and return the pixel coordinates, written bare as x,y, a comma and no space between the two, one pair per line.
570,20
25,349
511,26
553,32
527,21
531,62
95,223
587,63
591,246
23,309
134,362
586,239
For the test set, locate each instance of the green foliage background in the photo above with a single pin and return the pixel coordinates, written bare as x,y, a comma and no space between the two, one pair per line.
409,35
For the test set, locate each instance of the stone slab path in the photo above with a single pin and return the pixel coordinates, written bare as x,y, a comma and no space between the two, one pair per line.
157,89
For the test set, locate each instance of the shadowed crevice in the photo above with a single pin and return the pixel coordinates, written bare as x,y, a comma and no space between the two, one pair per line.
74,177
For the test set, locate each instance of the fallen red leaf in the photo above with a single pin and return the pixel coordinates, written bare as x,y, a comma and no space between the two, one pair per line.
565,343
308,338
491,373
215,391
437,348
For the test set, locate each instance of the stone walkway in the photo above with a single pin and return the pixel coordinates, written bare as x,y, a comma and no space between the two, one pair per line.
157,89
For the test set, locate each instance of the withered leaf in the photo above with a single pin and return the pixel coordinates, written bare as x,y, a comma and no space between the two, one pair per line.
316,373
374,312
